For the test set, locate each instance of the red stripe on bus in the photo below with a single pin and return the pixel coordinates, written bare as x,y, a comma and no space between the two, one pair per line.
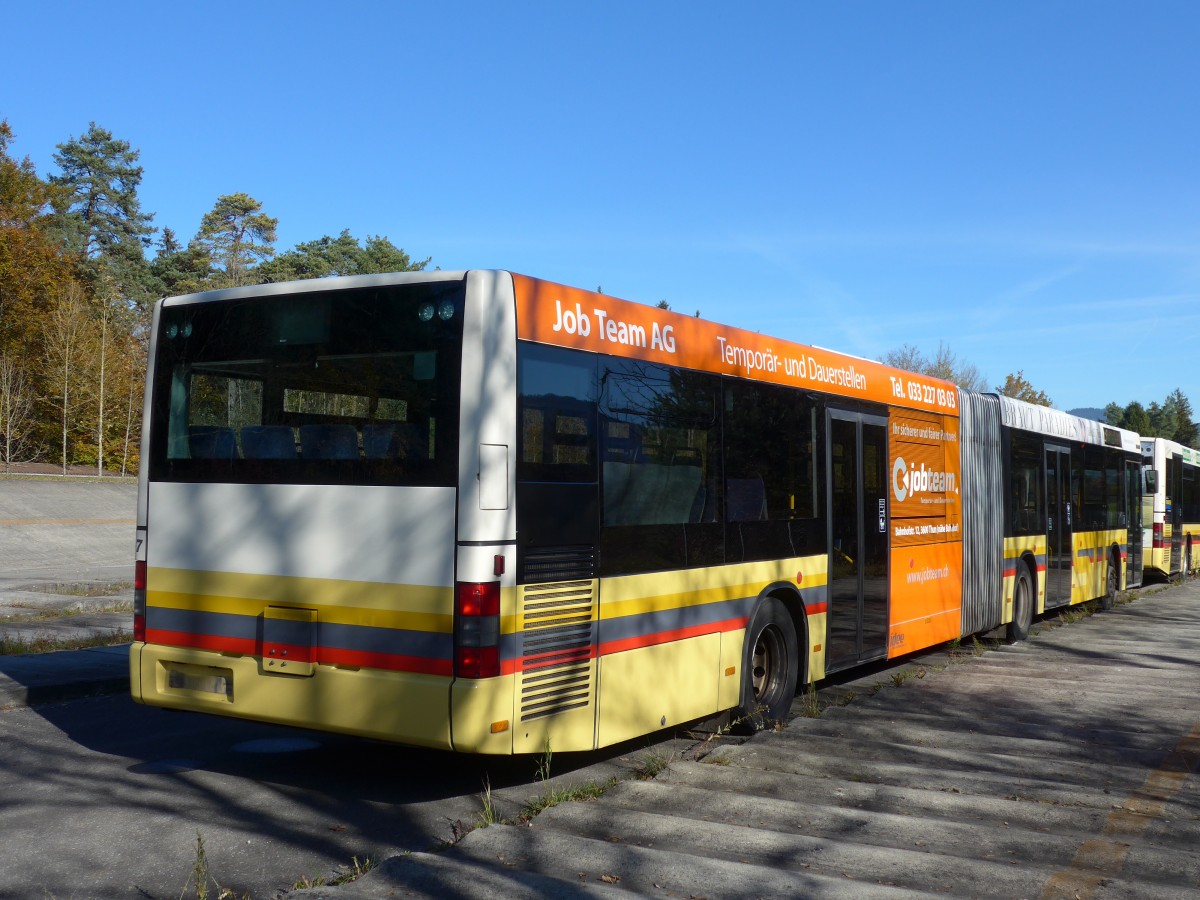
330,655
548,660
244,646
395,662
666,637
288,652
814,609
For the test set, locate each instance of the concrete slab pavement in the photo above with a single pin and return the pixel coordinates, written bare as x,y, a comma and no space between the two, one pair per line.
66,571
1064,767
62,530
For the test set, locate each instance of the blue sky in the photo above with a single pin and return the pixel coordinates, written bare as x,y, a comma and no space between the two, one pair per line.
1017,180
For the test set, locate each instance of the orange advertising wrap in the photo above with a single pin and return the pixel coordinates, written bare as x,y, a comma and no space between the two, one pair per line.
926,524
569,317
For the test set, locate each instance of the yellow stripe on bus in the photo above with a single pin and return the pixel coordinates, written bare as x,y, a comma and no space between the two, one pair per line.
323,592
636,594
335,615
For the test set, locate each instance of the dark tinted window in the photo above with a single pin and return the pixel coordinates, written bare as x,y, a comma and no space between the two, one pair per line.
770,472
660,468
338,387
1025,512
557,414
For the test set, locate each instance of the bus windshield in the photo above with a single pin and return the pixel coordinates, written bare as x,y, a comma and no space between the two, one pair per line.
347,387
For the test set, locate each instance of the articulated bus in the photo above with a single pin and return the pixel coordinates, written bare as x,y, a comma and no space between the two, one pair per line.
482,512
1073,510
1173,546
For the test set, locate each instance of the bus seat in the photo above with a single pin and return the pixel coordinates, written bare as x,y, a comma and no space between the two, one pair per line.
381,441
412,440
393,440
745,500
268,442
329,441
212,442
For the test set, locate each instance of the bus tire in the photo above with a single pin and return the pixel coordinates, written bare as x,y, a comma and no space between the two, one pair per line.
1108,599
1018,628
770,667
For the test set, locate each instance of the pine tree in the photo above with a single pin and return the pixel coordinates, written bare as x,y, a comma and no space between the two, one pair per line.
100,176
1185,425
237,234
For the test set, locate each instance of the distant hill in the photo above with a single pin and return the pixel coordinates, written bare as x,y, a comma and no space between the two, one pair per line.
1088,412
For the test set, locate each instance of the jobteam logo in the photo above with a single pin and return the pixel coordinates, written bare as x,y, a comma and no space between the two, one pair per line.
907,483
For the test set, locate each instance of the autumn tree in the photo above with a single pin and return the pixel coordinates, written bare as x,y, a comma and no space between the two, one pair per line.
1018,387
66,350
128,388
30,261
16,414
237,234
945,365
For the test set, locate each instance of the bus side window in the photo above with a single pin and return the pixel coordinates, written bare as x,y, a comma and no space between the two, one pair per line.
770,472
660,447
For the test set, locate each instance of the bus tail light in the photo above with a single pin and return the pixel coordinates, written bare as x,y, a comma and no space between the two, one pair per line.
477,629
139,600
1158,535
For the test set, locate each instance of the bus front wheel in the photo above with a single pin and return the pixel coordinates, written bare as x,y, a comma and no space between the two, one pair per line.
1018,628
770,667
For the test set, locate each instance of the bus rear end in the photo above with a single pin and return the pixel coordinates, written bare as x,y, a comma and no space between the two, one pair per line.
298,502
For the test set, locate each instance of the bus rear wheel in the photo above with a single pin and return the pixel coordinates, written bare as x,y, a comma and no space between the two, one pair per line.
1109,598
1018,628
770,667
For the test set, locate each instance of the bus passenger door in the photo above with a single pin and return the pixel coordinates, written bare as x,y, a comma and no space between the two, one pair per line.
1133,520
1174,516
858,539
1059,546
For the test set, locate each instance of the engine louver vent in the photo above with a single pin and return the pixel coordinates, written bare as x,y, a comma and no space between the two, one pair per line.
558,624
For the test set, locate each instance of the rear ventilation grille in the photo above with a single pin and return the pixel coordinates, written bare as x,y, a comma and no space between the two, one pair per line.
558,564
557,635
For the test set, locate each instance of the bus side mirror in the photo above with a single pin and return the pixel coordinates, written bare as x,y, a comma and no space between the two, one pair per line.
1151,481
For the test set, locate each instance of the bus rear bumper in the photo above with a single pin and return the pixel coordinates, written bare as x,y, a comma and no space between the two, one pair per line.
405,707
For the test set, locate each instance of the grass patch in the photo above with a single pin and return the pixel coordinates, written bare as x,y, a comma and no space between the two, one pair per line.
82,588
353,872
590,790
72,476
1074,614
488,815
810,706
50,615
651,764
17,646
713,760
202,878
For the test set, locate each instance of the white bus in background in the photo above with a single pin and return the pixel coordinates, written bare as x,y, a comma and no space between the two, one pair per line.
1172,544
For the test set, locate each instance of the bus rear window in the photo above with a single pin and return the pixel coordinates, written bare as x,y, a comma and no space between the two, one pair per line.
346,387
